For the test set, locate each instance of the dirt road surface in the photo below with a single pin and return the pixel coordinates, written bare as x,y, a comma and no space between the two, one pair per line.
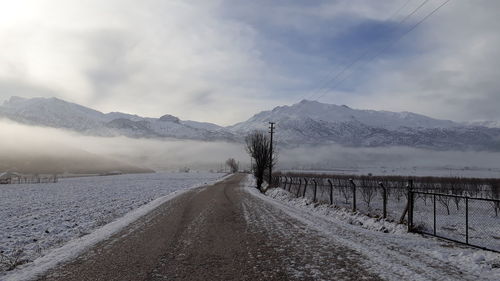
218,232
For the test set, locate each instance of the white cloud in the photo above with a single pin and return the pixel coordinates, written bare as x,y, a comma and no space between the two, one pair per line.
148,57
453,73
222,61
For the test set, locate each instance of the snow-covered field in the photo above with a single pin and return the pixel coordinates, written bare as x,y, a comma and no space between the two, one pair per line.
39,217
391,252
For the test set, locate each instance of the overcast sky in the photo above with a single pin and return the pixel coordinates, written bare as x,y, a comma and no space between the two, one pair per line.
224,60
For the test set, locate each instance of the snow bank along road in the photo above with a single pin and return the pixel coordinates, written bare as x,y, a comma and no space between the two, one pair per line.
224,232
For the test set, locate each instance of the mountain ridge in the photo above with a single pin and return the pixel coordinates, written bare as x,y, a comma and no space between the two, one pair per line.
306,122
57,113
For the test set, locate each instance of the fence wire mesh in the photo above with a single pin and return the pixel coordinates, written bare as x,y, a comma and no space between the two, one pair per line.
466,212
484,223
473,221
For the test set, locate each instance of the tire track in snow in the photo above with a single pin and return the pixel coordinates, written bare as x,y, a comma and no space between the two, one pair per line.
307,252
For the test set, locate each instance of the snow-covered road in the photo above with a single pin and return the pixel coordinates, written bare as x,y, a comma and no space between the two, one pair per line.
218,232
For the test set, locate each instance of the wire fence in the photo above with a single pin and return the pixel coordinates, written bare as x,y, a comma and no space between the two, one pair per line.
382,200
462,210
29,180
468,220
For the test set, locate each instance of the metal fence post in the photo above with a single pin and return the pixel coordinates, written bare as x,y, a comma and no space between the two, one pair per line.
315,189
466,220
411,208
410,205
298,189
384,200
434,203
305,188
290,184
353,195
331,191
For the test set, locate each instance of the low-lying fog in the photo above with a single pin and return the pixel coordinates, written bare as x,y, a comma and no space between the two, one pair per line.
28,144
32,149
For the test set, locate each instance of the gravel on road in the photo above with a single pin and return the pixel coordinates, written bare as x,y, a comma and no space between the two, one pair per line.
217,232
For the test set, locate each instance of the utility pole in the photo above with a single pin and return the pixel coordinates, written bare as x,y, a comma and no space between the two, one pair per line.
271,131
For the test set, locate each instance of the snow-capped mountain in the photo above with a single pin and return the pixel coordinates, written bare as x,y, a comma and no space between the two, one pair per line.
307,122
321,112
311,122
53,112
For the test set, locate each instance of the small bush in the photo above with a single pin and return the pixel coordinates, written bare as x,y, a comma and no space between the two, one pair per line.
10,262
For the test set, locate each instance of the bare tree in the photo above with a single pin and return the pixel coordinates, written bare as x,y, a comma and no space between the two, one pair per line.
368,193
258,147
232,164
445,201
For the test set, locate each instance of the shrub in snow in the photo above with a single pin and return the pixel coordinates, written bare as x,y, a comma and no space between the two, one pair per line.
10,261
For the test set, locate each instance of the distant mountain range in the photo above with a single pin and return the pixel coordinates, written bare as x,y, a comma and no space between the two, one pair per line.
304,123
53,112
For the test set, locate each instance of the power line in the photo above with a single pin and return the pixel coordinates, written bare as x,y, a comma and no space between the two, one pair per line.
392,43
322,91
366,51
400,8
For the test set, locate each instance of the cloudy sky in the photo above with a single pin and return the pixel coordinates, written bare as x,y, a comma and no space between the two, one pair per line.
224,60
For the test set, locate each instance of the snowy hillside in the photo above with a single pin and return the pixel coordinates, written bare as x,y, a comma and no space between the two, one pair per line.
488,124
321,112
53,112
311,122
307,122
